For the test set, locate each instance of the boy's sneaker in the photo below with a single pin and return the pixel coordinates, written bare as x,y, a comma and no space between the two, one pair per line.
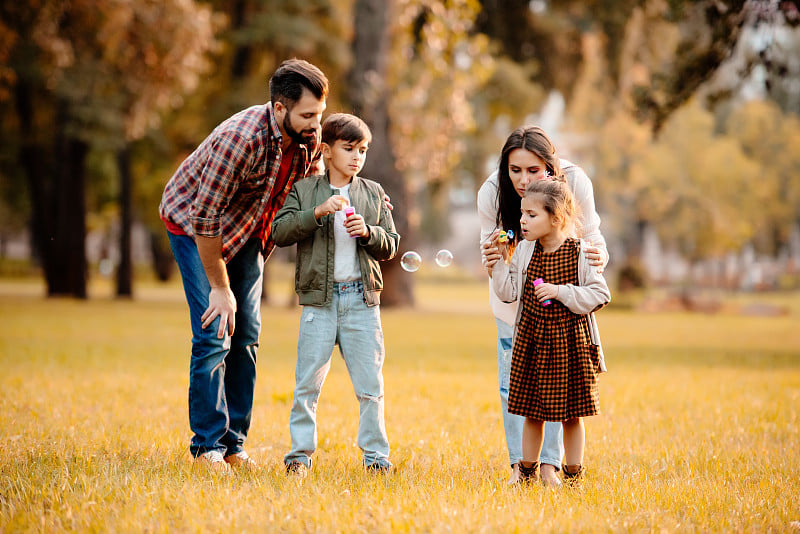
378,467
212,460
297,469
240,460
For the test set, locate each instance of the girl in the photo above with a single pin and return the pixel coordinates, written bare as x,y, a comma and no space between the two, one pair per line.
529,155
557,354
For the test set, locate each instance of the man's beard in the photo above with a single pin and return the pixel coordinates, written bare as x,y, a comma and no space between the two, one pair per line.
298,137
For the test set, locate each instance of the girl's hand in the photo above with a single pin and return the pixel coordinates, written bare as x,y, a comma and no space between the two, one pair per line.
356,226
332,205
595,257
545,291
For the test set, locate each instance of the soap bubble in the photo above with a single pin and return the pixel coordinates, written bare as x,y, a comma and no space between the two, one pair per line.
444,258
410,261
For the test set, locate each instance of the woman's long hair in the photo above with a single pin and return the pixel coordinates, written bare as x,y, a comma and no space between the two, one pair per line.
532,139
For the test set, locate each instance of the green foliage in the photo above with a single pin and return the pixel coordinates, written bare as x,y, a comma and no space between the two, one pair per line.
160,75
118,64
770,137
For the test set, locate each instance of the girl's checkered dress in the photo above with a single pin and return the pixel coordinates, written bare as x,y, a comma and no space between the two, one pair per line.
555,365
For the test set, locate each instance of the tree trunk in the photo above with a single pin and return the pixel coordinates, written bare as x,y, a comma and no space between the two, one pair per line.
125,268
242,53
368,95
163,261
34,158
65,256
57,197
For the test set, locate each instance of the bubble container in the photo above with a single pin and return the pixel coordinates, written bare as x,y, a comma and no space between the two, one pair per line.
536,283
348,211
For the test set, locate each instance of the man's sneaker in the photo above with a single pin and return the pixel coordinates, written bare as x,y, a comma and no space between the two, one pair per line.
297,469
240,460
211,460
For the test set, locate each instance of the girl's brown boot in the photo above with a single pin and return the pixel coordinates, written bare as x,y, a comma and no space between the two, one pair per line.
573,475
528,472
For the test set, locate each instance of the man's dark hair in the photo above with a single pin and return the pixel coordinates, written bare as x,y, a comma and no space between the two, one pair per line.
292,76
346,127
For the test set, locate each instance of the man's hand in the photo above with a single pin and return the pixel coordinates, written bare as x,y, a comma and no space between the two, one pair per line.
222,303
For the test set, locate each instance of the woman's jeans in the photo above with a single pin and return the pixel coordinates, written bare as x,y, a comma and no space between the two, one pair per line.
222,372
553,446
356,327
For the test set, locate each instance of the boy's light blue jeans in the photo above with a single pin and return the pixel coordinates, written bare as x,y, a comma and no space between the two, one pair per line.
222,372
553,446
356,327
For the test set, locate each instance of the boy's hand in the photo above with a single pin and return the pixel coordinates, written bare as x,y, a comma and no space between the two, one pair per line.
355,226
545,291
332,205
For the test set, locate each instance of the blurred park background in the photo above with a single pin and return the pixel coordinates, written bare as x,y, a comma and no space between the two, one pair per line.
683,113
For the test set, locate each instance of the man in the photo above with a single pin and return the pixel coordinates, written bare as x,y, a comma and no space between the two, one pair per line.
218,208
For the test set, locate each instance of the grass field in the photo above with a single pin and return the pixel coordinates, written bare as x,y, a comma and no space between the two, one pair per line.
699,430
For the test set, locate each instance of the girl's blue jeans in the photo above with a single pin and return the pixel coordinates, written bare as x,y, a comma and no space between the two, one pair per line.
356,328
553,446
222,372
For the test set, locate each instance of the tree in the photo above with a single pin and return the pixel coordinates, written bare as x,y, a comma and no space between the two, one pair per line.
430,64
369,94
103,71
767,135
444,65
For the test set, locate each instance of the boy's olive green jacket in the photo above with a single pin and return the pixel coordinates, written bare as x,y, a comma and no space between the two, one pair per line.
295,223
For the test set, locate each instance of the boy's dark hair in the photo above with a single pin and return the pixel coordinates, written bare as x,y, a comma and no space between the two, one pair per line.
292,76
345,127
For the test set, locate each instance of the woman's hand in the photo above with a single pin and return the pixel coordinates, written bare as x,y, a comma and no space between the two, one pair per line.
596,257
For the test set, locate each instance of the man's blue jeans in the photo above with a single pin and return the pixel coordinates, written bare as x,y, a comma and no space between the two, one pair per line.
553,446
356,327
222,372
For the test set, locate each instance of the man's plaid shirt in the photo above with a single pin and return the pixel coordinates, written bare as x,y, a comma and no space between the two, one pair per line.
223,188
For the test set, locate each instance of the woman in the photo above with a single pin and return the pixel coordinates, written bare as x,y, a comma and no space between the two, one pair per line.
528,155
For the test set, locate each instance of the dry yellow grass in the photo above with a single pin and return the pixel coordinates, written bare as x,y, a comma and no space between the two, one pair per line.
699,431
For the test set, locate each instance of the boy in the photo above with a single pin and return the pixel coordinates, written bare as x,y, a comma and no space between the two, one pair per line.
339,281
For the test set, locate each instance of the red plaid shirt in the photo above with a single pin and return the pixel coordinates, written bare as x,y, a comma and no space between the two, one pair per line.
223,188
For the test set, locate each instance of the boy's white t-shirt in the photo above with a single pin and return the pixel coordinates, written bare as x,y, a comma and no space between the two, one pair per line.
345,260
